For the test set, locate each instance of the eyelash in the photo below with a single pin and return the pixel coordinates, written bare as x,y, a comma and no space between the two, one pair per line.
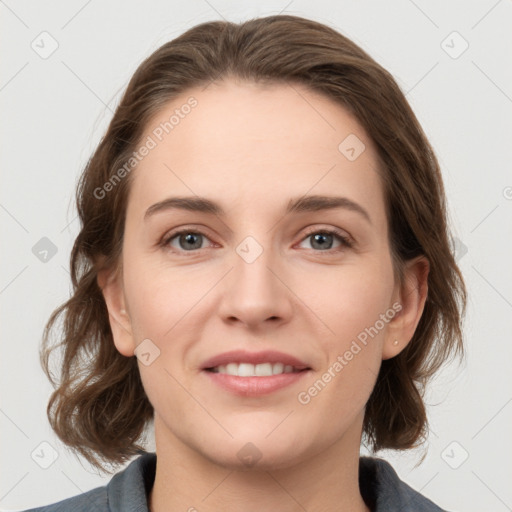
346,242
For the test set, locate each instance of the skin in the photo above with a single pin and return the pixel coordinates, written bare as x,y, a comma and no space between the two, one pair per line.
252,149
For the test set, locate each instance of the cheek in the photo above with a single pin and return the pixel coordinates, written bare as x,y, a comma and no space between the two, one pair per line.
356,309
160,297
348,300
340,389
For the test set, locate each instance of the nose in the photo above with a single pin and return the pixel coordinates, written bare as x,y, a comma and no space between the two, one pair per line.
255,293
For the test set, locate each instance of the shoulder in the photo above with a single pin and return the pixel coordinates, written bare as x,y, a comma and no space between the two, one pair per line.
384,491
95,499
127,491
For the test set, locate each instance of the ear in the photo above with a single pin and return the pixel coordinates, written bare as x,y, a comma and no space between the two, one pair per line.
411,295
110,282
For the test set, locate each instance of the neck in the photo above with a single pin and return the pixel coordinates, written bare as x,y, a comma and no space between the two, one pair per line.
186,480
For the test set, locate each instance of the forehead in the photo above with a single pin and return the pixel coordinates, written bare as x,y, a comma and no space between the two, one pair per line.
241,141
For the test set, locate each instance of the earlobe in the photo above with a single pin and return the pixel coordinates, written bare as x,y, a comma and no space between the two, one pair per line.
412,295
111,286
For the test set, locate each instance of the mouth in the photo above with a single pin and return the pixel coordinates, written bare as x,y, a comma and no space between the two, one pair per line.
252,374
243,363
255,370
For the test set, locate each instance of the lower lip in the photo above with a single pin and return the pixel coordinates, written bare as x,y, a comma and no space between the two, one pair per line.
254,386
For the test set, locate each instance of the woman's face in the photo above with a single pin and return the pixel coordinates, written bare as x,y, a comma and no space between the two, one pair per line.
262,275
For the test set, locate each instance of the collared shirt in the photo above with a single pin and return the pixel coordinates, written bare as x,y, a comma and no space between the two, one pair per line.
128,490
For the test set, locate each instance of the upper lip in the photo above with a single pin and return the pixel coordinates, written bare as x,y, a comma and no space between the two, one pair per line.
242,356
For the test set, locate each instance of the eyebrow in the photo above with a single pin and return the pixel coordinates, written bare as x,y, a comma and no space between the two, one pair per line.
312,203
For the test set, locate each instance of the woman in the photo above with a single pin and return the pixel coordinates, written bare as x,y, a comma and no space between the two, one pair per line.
316,297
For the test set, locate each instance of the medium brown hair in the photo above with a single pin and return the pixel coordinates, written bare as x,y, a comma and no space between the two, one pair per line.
99,407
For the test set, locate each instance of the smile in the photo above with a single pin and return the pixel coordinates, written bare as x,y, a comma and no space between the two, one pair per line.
254,370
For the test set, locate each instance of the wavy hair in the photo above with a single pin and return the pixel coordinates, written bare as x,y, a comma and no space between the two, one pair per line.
99,407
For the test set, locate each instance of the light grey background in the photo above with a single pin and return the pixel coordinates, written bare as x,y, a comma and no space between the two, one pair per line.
55,109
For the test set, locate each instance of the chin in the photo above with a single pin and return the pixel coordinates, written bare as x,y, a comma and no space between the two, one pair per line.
247,453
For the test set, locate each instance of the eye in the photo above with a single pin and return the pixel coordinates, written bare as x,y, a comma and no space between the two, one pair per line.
323,239
185,240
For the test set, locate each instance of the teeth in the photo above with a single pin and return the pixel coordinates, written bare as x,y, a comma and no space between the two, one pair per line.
246,370
231,369
254,370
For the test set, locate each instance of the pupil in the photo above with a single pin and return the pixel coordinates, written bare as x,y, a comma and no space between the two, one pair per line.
189,239
320,239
